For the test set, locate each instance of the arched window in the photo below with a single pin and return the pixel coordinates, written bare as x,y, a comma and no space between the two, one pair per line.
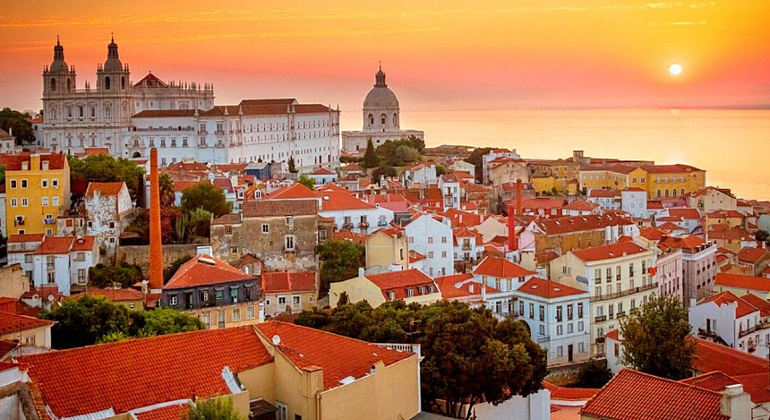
69,83
395,120
107,83
383,119
107,112
666,193
673,192
371,119
123,82
53,84
658,194
137,154
682,192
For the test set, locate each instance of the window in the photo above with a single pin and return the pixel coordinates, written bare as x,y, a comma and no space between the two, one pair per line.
542,312
443,239
289,243
559,329
617,349
30,341
409,292
44,183
560,351
295,301
581,348
55,182
265,228
44,201
542,329
532,311
14,202
430,239
28,258
290,222
81,256
558,313
23,183
172,300
13,184
569,328
236,314
569,312
580,325
251,312
24,202
81,276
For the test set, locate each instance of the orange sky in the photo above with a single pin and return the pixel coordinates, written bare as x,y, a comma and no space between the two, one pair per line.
450,54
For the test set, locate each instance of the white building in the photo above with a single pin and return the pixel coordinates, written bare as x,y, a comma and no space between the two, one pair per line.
633,201
382,120
433,239
558,319
493,155
20,250
322,176
731,319
108,212
63,262
468,245
606,199
351,213
617,276
450,189
423,174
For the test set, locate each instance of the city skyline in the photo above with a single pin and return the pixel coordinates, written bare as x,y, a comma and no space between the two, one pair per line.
532,54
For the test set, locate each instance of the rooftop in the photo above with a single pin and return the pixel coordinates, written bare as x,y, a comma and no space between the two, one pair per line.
203,270
500,267
606,252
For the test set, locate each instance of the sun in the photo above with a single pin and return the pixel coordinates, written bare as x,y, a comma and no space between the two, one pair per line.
675,69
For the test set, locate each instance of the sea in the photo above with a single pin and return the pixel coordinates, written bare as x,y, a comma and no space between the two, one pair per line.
733,146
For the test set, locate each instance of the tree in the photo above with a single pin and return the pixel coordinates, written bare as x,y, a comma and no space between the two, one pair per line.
416,142
292,165
85,320
554,191
306,181
213,409
2,174
197,223
386,171
406,154
469,356
207,197
163,321
656,339
169,271
476,158
122,275
167,193
761,235
105,168
112,337
341,260
440,170
370,160
17,123
593,374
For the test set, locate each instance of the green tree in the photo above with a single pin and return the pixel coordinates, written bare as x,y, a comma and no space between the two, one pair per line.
2,174
386,171
340,261
169,271
105,168
370,160
476,159
554,191
207,197
17,123
85,320
306,181
656,339
163,321
416,142
292,165
440,170
122,275
406,154
198,223
112,337
593,374
212,409
761,235
166,188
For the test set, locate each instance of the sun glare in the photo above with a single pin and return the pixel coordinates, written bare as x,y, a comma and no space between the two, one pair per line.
675,69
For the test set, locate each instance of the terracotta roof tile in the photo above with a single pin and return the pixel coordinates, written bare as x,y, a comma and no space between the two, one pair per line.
13,323
229,218
610,251
500,267
751,255
668,169
581,223
55,161
685,213
293,191
117,295
27,237
282,281
204,269
633,395
743,282
548,289
713,381
743,308
569,394
104,188
757,302
338,200
400,281
710,356
581,205
168,412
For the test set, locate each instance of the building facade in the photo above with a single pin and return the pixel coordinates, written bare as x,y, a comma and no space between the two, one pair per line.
37,191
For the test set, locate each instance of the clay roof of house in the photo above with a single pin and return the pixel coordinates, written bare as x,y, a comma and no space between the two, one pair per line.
545,203
415,256
500,267
55,160
756,301
654,205
322,171
117,295
224,184
230,167
203,270
730,214
229,218
339,357
104,188
743,307
668,169
276,208
606,252
751,255
734,233
180,186
633,395
400,281
569,394
351,167
26,237
548,289
338,200
743,282
714,381
653,233
167,412
159,369
689,242
65,244
471,187
685,213
710,356
282,281
603,193
581,205
580,223
347,235
669,226
755,385
11,323
293,191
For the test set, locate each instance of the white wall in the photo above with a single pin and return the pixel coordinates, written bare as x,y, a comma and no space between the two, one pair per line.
427,236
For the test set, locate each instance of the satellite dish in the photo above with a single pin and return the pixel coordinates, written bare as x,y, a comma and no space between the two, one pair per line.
276,340
50,298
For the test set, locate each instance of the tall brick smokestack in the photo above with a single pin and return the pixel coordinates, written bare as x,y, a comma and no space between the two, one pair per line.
156,248
513,243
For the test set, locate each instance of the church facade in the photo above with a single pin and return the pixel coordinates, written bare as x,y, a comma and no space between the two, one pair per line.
179,119
382,119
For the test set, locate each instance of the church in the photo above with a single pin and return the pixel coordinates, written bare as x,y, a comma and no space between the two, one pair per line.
382,120
179,119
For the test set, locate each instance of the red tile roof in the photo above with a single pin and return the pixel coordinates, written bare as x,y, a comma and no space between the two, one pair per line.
65,244
713,381
55,161
117,295
400,281
338,200
140,372
293,191
104,188
633,395
757,302
653,234
459,285
204,269
548,289
500,267
743,308
282,281
322,171
169,412
27,237
544,203
224,184
756,386
710,356
606,252
689,242
751,255
569,394
13,323
580,223
339,357
669,226
743,282
346,235
581,205
279,208
603,193
668,169
685,213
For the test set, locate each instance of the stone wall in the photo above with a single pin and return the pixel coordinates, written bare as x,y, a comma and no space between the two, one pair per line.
140,254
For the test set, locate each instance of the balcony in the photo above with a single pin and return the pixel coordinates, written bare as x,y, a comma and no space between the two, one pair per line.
599,340
543,338
18,222
631,291
414,348
600,318
743,331
621,314
347,225
466,247
363,225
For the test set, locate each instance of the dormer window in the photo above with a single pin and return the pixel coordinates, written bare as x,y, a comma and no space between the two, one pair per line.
391,295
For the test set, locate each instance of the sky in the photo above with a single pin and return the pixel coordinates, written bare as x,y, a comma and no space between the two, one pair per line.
438,55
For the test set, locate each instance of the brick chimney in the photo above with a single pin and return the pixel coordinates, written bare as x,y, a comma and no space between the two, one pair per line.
513,243
156,248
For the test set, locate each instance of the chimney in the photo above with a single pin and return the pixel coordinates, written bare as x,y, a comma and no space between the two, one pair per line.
361,272
735,403
513,243
156,247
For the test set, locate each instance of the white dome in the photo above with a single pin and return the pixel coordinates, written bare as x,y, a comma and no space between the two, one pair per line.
381,98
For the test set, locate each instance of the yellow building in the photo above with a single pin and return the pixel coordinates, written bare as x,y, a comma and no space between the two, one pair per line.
387,247
37,188
616,177
671,181
543,183
409,285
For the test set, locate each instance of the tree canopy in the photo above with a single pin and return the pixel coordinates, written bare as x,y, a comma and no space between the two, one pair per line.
169,271
593,374
17,123
292,165
340,261
400,152
306,181
469,356
656,339
166,189
212,409
121,275
386,171
105,168
476,159
370,159
207,197
163,321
